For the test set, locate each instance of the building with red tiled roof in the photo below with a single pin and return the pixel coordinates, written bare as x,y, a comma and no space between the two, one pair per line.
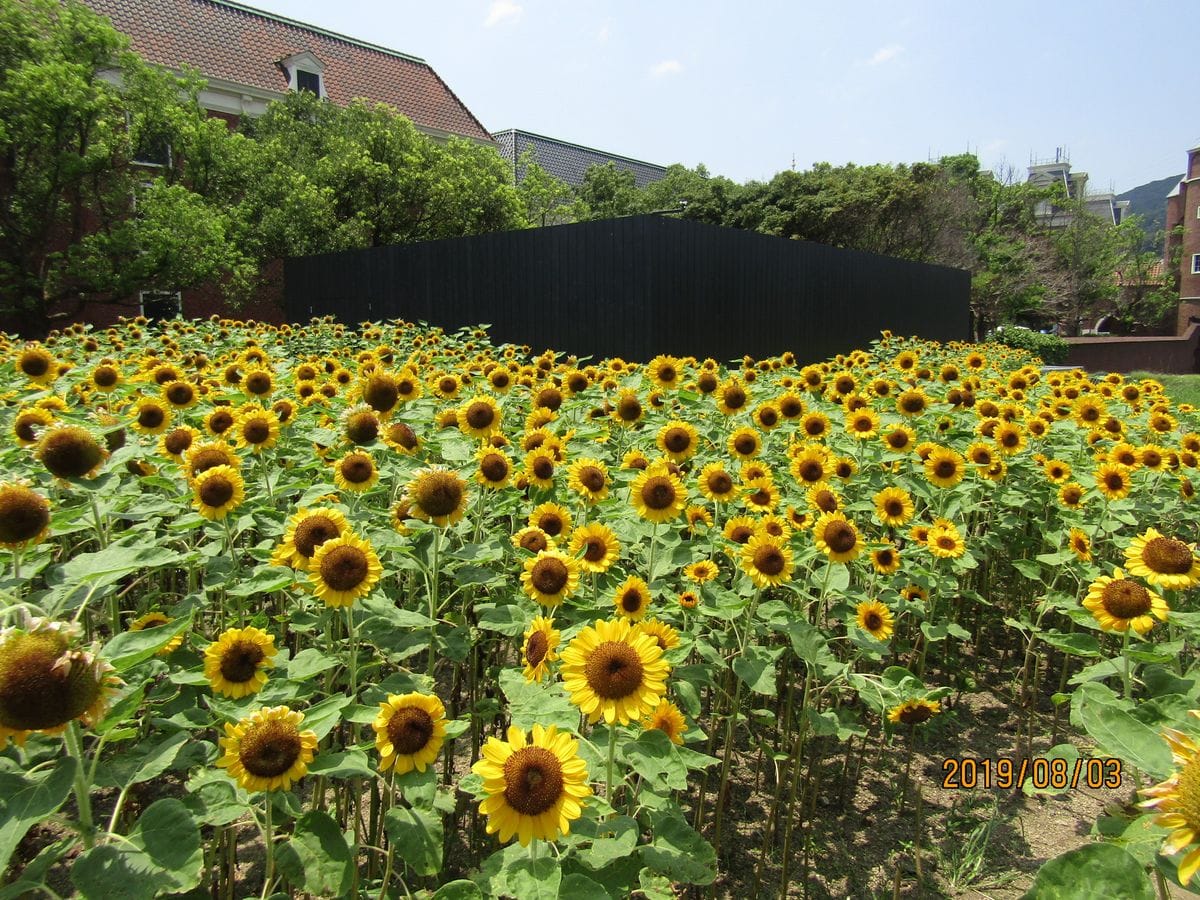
1183,237
249,57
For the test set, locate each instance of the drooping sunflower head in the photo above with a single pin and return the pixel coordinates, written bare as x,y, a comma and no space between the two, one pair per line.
1119,604
875,619
361,425
438,495
267,751
343,569
409,732
914,712
24,516
613,672
540,642
235,662
533,539
69,451
1162,561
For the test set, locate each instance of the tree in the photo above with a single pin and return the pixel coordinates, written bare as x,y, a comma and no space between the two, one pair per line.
1087,253
701,196
1147,294
545,199
80,219
607,192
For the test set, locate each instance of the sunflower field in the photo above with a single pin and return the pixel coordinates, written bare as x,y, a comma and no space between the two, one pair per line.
393,612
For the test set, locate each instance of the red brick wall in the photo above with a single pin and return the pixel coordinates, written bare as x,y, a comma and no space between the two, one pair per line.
1189,283
1128,354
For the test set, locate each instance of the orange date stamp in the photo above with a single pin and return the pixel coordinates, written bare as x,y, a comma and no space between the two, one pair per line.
1041,773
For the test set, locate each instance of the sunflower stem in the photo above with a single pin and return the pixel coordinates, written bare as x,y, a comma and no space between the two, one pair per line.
653,542
434,575
269,843
266,475
1126,673
101,535
83,798
352,641
612,752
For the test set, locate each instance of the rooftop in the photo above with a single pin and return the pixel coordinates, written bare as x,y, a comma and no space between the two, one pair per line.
568,162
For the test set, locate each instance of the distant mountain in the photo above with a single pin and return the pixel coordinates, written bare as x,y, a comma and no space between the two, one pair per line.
1150,201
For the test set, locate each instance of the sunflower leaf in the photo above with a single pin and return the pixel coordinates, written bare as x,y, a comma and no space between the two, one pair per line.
316,858
324,716
27,801
416,835
129,648
679,852
307,663
1095,870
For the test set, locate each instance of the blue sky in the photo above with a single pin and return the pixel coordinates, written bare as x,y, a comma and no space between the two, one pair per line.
744,88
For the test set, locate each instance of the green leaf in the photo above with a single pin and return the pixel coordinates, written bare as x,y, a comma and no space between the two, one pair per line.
458,890
1095,870
129,648
143,762
264,581
507,619
654,756
756,668
579,887
1075,644
416,835
350,764
163,855
532,703
679,852
324,716
316,859
810,645
307,663
1067,752
620,836
534,879
1117,733
25,801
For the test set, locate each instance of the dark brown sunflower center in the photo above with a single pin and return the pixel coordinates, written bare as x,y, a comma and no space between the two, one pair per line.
256,431
240,661
535,541
667,374
409,729
23,515
768,417
596,550
1114,481
357,469
258,383
745,444
720,483
70,453
35,365
216,491
591,478
549,575
220,422
344,568
814,427
1072,495
735,398
811,471
677,440
533,780
536,648
1167,556
549,398
707,383
946,542
382,392
873,621
614,670
312,532
885,558
543,467
448,385
1090,414
480,415
494,468
826,501
631,600
741,534
24,427
1125,599
945,468
270,749
500,379
404,387
658,492
151,416
1010,438
894,508
916,714
41,686
863,424
402,435
105,376
911,404
362,428
180,394
629,410
840,537
769,560
551,523
178,441
209,459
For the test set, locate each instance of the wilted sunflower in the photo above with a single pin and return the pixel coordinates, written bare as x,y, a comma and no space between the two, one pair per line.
267,751
537,649
914,712
837,537
595,546
479,417
234,663
1177,801
438,495
343,569
875,619
535,788
632,598
361,425
657,494
550,577
614,673
666,718
46,682
217,491
409,732
767,560
588,478
69,451
1120,604
944,467
701,572
157,620
24,516
1164,562
307,530
400,436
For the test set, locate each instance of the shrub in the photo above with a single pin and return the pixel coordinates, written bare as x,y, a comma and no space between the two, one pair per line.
1050,347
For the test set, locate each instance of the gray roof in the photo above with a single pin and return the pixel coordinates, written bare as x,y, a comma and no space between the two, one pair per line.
566,161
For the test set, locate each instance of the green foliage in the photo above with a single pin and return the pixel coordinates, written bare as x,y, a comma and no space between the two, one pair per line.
607,192
545,200
1095,870
1050,347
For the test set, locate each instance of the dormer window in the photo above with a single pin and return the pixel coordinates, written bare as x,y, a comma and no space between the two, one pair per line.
305,73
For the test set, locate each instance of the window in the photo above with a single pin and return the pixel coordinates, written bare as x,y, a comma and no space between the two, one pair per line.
1196,263
304,72
1198,212
308,81
161,304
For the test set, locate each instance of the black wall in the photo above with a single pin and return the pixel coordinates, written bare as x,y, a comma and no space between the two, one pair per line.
639,286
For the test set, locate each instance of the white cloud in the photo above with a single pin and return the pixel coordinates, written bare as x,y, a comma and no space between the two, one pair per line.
666,67
603,33
503,11
885,54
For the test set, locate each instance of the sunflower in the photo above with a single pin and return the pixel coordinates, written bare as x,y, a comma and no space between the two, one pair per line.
944,467
1177,801
863,423
45,682
1164,562
811,465
613,672
267,751
893,506
479,417
744,443
551,518
438,495
533,539
588,478
307,530
343,569
899,438
1081,544
174,444
944,540
537,649
28,422
628,408
540,467
678,440
151,416
767,560
739,529
157,620
550,577
732,397
716,483
361,425
657,494
912,402
875,619
1113,481
598,545
494,469
886,559
220,420
257,429
24,516
914,712
217,491
535,787
355,472
668,719
837,537
1056,470
1071,495
1120,604
202,457
401,437
632,598
1009,438
37,365
234,662
409,732
701,572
